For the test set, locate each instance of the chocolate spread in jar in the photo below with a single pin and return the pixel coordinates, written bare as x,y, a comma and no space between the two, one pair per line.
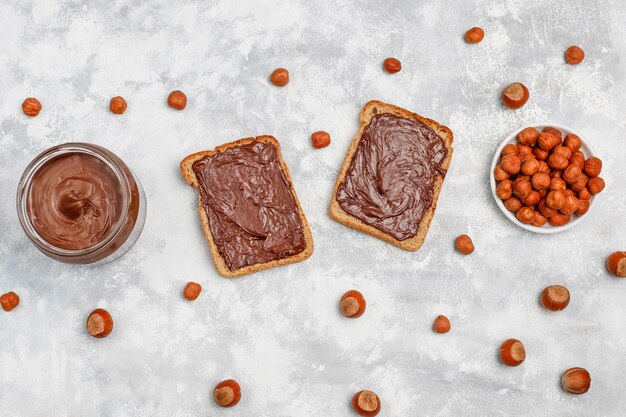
390,182
250,208
75,201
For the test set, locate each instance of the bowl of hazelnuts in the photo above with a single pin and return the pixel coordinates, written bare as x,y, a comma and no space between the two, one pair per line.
545,178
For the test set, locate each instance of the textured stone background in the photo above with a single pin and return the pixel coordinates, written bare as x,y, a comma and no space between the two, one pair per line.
279,332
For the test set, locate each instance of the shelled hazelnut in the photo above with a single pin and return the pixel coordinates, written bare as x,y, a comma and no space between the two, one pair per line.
192,291
441,324
474,35
464,244
9,301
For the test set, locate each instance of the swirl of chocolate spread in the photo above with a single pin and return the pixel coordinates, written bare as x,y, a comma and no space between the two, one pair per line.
75,201
250,208
391,178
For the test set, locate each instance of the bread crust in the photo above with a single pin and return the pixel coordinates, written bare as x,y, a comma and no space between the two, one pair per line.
370,110
186,168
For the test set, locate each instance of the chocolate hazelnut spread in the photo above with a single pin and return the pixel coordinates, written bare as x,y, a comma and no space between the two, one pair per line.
390,182
250,208
75,201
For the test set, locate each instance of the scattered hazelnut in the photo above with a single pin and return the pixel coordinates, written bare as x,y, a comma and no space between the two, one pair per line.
392,65
540,181
31,107
592,167
512,352
177,100
559,219
192,291
464,244
554,298
616,264
574,55
9,301
511,164
280,77
499,174
227,393
366,403
474,35
576,381
510,149
441,324
525,215
504,189
515,95
573,142
528,136
512,204
99,323
118,105
320,139
352,304
595,185
547,141
522,188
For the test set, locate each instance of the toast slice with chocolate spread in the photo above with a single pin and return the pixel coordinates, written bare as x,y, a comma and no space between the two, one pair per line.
390,179
248,207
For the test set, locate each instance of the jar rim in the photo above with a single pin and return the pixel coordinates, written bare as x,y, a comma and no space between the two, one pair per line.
23,192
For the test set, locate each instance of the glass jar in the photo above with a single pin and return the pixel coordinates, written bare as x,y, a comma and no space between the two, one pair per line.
79,203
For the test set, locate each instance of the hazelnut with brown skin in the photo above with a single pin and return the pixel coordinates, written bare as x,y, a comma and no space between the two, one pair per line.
352,304
577,159
541,154
512,204
512,352
616,264
555,199
532,198
522,188
540,181
547,141
474,35
593,167
99,323
554,298
118,105
227,393
576,381
177,100
539,220
554,131
558,162
573,142
392,65
192,291
523,150
528,136
499,174
279,77
583,207
530,166
562,150
559,219
595,185
545,210
31,107
525,215
515,95
504,190
511,164
366,403
572,174
320,139
510,149
464,244
441,324
580,184
574,55
9,301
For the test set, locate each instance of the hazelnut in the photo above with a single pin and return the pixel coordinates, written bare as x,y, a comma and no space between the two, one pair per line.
541,154
529,166
464,244
352,304
562,150
118,105
279,77
512,204
574,55
9,301
583,207
227,393
539,220
504,190
558,162
515,95
524,150
554,132
532,198
525,215
540,181
99,323
31,107
192,291
392,65
576,381
573,142
177,100
555,174
441,324
578,159
595,185
528,136
474,35
593,166
543,167
511,164
572,174
580,184
547,141
499,174
522,188
616,264
545,210
510,149
557,184
366,403
559,219
554,298
512,352
320,139
584,194
555,199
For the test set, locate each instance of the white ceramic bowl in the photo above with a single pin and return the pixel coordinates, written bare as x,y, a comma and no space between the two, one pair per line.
586,148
